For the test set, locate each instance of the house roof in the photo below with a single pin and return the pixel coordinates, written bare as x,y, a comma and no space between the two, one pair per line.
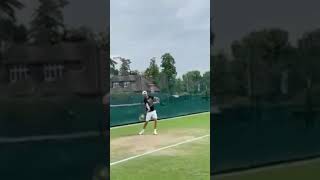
130,78
141,83
49,53
146,85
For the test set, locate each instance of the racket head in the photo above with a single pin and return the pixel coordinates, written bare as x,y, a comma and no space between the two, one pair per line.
141,117
156,99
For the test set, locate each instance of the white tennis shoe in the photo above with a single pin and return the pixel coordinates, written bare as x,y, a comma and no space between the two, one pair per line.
141,132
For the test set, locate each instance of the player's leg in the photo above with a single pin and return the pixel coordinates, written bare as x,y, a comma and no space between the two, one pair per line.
145,124
155,126
144,127
148,117
155,118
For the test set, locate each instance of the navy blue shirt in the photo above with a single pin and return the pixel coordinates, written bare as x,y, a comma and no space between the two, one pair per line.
149,100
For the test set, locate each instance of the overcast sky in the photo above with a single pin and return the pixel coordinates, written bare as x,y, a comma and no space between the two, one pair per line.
142,29
233,19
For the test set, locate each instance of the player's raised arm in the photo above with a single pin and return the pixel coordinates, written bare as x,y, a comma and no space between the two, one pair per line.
156,100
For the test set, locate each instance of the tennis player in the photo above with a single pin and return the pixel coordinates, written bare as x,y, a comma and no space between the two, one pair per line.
151,113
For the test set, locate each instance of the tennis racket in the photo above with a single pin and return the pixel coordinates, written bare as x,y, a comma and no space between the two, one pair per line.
141,117
156,100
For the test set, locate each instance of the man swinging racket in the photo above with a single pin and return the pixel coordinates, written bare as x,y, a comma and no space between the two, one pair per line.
149,102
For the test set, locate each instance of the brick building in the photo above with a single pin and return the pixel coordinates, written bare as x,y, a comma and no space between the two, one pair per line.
61,69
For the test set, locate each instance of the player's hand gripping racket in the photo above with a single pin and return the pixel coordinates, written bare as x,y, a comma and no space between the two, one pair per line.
156,100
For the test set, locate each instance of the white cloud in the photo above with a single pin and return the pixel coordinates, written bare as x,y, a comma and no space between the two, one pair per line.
146,29
195,14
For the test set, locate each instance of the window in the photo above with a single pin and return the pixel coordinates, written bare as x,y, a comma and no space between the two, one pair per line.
115,84
126,84
53,72
18,73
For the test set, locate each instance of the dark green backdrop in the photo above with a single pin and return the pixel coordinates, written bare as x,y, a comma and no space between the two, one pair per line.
170,106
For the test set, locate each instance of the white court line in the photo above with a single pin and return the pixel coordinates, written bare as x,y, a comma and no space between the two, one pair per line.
179,117
156,150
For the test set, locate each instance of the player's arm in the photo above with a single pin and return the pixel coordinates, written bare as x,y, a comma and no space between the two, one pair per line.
148,107
156,100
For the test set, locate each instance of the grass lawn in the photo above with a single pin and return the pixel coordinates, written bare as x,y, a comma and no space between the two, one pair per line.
177,152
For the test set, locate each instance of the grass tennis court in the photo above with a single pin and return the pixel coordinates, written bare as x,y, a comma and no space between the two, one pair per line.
294,171
180,151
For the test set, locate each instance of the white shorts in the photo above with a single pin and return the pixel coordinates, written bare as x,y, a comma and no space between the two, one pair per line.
151,115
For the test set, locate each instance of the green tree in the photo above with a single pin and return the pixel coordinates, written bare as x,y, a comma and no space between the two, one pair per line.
152,72
125,66
103,40
113,70
9,31
206,82
192,81
48,23
309,48
238,77
84,34
261,52
220,74
20,34
163,82
8,8
179,86
169,70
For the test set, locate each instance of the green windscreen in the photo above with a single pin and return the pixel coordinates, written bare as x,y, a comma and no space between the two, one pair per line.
126,108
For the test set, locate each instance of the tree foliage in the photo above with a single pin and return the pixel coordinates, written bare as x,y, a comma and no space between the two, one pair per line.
192,80
84,34
309,64
260,54
169,70
125,66
8,8
206,82
48,23
152,72
113,69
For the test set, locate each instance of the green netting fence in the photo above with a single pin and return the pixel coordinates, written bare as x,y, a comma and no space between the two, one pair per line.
37,135
247,137
33,117
126,108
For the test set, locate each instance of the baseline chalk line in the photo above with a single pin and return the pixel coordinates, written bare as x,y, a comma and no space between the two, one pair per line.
160,149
